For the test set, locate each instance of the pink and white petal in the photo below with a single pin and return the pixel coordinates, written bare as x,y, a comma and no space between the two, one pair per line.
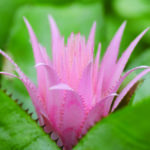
109,60
35,44
97,59
55,97
45,55
96,113
9,74
90,42
85,85
50,98
116,87
125,56
111,54
72,117
55,38
51,75
48,79
17,69
96,64
54,30
41,74
99,92
61,86
128,87
126,75
54,101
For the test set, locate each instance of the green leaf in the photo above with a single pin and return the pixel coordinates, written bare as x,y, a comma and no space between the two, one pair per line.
18,131
112,24
126,129
125,8
8,9
137,16
72,18
141,25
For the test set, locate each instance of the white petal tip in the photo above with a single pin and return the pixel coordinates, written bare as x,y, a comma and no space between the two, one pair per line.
61,86
114,94
40,64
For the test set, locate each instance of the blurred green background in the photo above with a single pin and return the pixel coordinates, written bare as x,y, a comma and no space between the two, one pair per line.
70,16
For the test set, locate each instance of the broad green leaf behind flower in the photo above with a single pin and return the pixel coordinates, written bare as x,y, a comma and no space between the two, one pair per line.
18,131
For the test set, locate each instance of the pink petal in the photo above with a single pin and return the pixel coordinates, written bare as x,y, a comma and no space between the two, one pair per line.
45,55
72,115
35,44
110,57
86,81
54,101
97,59
55,37
111,54
96,113
99,92
51,75
90,42
127,74
55,97
96,64
128,87
125,56
41,74
17,69
114,90
52,98
8,74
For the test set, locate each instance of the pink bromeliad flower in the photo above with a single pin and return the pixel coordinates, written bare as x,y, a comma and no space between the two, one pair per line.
75,90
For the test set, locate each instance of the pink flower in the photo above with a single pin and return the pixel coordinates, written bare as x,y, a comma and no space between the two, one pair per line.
75,90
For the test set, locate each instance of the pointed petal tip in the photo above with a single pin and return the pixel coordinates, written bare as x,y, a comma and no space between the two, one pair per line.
147,29
51,19
27,23
93,26
143,32
53,26
25,20
124,23
128,87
